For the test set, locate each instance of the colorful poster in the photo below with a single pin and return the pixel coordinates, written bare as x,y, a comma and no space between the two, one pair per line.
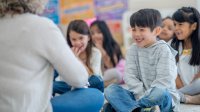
116,30
110,9
76,9
52,11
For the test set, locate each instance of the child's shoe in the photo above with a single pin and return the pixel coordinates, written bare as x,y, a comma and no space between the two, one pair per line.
151,109
108,108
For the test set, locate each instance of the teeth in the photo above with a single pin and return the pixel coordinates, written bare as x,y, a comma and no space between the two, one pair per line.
138,40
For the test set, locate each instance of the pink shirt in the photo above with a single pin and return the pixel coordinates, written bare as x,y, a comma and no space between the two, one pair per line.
120,67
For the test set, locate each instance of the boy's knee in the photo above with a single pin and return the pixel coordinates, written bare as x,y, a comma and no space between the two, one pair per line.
111,89
158,93
157,89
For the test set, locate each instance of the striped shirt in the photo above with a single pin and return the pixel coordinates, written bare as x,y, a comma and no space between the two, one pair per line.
154,66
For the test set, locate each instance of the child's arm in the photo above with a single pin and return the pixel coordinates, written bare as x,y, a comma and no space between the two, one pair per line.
166,69
179,83
89,70
96,62
196,76
131,77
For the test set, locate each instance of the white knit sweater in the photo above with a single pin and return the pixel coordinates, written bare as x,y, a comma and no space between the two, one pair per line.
30,46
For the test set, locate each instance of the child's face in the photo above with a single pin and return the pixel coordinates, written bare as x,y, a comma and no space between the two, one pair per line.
183,30
143,36
78,40
167,31
97,36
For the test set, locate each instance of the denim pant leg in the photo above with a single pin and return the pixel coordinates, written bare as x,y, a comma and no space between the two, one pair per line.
120,99
78,100
96,82
60,87
157,96
55,75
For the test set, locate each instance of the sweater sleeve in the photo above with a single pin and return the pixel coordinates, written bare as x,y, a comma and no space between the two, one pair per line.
166,70
96,62
55,49
131,77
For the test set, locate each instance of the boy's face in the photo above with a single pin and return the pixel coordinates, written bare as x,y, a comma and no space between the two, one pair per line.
143,36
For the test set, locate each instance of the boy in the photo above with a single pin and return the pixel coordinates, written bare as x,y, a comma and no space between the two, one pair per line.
150,70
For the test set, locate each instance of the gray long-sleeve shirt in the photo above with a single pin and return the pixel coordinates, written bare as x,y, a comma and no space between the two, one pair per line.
150,67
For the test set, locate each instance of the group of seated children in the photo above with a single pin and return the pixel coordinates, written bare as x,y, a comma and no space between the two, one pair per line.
162,65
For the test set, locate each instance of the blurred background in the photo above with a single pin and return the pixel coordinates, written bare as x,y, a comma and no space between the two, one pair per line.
115,12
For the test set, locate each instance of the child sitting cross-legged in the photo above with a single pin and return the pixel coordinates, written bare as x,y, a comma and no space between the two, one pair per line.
150,70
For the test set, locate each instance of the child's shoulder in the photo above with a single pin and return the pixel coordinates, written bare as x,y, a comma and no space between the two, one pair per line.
132,50
133,46
164,47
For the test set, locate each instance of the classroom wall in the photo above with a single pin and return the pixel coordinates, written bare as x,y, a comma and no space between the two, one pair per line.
161,4
166,7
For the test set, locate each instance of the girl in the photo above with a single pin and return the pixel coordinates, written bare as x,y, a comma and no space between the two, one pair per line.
167,32
79,39
113,62
187,43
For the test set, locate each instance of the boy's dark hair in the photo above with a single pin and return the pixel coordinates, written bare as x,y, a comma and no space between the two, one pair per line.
109,44
146,18
190,15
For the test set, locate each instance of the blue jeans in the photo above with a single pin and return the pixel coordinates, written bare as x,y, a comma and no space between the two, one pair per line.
123,100
95,81
60,87
78,100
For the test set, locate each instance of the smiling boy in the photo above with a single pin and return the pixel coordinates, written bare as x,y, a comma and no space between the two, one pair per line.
150,70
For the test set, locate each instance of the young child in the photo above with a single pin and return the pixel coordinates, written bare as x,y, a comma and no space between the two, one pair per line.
113,61
167,32
150,70
79,39
187,43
